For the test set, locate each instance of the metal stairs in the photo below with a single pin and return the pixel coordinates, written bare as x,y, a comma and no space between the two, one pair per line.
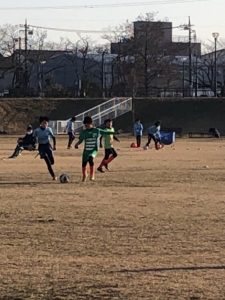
112,109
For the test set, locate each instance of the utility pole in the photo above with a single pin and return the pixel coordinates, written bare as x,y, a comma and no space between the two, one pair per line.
103,73
26,65
196,76
215,36
190,77
190,57
183,80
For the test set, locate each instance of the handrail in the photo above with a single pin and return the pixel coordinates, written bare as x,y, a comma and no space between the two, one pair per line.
98,113
112,108
99,105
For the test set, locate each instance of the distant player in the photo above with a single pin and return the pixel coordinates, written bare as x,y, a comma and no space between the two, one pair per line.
154,133
70,131
138,131
110,152
90,135
24,143
43,135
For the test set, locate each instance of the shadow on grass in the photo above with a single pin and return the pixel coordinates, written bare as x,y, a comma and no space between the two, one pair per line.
30,183
167,269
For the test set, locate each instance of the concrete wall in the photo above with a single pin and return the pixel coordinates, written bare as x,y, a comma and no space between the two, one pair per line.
189,114
15,114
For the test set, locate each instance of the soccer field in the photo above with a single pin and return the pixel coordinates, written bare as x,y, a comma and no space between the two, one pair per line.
151,228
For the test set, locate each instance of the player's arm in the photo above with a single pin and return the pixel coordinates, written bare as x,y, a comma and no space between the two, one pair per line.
33,141
53,138
78,143
35,136
105,132
54,142
66,128
100,141
136,129
81,138
116,139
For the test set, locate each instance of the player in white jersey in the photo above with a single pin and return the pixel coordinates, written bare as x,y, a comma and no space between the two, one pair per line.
70,131
43,135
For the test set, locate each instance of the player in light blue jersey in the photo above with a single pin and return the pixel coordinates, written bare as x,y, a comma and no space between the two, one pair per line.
138,131
43,135
154,133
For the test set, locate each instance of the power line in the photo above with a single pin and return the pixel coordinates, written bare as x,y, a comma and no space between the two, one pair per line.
70,30
93,31
110,5
89,30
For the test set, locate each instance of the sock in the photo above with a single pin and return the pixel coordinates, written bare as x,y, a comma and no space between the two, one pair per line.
106,162
102,163
92,171
84,171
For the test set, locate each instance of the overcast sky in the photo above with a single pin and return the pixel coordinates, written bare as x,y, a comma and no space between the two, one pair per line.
207,16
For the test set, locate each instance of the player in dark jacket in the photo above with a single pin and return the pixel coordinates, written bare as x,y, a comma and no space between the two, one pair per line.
25,143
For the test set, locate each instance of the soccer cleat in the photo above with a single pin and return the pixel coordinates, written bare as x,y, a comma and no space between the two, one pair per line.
92,178
100,170
107,167
84,179
54,178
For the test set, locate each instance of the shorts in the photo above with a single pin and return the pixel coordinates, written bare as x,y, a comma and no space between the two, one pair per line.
45,151
110,151
87,154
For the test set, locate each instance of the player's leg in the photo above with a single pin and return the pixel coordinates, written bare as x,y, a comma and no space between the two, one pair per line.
138,139
49,166
107,154
84,167
149,139
16,152
50,155
92,169
29,147
157,143
113,155
71,139
46,154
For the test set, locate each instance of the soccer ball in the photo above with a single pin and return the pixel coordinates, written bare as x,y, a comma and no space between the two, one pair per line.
64,178
133,145
159,146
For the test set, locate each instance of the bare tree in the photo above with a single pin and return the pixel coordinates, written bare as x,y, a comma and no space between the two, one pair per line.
8,35
206,68
120,32
142,66
81,55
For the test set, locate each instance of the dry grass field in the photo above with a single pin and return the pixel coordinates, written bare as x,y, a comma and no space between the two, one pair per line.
151,228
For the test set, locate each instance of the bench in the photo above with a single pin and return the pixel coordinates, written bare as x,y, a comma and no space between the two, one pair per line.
199,134
212,132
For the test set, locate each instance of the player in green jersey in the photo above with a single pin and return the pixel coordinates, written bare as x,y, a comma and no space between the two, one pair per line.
90,135
110,152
